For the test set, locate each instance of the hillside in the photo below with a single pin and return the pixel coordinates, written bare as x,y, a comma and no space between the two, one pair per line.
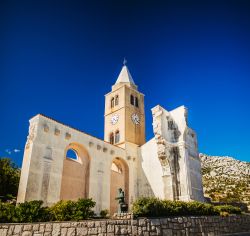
226,179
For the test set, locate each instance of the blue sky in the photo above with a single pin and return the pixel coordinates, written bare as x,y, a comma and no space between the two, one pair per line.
59,58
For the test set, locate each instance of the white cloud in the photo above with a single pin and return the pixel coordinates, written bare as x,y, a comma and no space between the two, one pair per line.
16,150
9,151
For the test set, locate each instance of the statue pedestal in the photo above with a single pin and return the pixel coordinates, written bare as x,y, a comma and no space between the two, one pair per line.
122,216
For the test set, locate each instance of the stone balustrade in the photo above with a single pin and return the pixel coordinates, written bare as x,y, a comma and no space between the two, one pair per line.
188,226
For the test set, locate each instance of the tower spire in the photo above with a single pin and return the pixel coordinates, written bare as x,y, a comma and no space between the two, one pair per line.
125,76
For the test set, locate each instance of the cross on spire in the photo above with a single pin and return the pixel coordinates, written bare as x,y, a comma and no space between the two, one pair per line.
124,61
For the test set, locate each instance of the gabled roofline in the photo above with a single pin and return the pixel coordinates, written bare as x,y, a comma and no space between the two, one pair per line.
47,117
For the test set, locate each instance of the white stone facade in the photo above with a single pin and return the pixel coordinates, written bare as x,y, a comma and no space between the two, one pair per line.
167,166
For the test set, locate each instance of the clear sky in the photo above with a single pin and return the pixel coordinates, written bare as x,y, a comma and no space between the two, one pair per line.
59,58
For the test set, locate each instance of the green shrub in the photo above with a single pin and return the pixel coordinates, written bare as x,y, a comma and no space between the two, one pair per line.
84,209
228,208
31,212
63,210
148,207
199,208
7,213
69,210
154,207
104,213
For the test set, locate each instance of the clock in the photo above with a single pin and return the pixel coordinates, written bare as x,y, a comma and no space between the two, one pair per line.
114,119
135,118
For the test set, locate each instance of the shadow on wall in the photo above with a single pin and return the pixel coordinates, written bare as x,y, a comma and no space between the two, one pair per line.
75,176
119,179
143,186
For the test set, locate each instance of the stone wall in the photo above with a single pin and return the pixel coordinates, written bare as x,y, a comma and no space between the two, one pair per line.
213,225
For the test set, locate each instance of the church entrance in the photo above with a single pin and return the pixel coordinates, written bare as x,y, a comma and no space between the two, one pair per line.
75,176
119,179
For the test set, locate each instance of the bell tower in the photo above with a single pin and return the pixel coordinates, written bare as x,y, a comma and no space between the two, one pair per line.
124,112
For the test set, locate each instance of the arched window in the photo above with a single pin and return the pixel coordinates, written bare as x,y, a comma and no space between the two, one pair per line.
136,102
116,100
111,138
117,168
112,102
117,136
72,154
131,99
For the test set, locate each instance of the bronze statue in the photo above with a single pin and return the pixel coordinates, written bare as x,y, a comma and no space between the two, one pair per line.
122,207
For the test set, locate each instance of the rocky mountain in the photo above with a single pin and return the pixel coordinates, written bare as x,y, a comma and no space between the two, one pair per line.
226,179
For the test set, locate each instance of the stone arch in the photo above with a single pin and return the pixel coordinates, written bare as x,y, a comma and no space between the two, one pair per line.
75,176
119,178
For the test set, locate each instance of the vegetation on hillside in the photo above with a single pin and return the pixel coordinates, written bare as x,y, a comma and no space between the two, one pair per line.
226,179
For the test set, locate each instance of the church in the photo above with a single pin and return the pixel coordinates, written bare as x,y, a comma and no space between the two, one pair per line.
64,163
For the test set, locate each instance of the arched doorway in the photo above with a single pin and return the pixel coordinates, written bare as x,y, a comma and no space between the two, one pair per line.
75,177
119,179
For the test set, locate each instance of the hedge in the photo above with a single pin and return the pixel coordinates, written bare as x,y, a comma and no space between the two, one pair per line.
154,207
33,211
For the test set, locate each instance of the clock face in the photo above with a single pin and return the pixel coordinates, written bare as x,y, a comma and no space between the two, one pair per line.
135,118
114,119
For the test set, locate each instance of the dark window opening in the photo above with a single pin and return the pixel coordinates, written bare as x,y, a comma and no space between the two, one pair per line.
131,99
136,102
111,138
116,100
112,102
117,136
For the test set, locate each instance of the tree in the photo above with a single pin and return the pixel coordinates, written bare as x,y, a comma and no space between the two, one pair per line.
9,179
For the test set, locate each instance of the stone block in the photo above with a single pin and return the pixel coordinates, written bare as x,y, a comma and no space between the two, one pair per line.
158,230
17,229
26,233
110,228
63,232
83,224
71,231
124,230
36,227
41,228
134,230
164,221
117,229
65,225
27,227
167,232
142,222
91,224
81,231
180,220
3,232
110,234
49,233
74,224
11,229
92,231
155,222
56,229
48,227
134,222
151,233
